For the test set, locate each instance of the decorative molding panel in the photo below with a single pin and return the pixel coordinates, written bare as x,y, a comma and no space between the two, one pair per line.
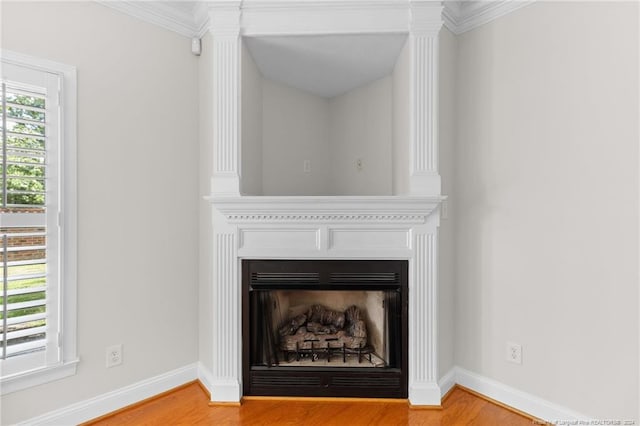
262,18
369,239
274,238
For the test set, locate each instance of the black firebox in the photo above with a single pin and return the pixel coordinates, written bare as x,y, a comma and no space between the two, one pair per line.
331,328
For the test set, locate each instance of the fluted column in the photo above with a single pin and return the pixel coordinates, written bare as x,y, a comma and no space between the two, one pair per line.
425,25
423,355
423,39
224,24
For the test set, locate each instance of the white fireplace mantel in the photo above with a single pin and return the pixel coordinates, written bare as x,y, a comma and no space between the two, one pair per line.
317,227
327,209
326,228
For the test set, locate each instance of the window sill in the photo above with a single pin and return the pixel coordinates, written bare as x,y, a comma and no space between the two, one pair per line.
36,377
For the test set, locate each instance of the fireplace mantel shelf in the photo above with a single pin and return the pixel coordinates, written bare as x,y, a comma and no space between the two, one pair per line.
297,209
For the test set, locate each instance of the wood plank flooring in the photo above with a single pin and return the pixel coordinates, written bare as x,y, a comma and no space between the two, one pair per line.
188,405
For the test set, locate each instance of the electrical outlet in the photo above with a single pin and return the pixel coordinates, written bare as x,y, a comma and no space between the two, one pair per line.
306,166
514,353
114,355
359,164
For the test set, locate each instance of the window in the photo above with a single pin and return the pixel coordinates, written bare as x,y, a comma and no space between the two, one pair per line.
37,222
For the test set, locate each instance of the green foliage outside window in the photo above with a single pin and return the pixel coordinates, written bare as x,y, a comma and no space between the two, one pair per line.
25,150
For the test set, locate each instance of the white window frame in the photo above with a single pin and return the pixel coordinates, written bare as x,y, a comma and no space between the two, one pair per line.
65,363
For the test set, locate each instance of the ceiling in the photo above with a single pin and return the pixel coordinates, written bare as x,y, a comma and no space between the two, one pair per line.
329,65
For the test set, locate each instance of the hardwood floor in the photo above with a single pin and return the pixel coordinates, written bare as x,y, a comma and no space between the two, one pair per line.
188,405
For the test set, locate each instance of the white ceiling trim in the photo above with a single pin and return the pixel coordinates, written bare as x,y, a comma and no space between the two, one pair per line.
462,16
159,13
459,15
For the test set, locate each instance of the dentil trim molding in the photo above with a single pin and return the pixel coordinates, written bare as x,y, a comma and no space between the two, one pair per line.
364,209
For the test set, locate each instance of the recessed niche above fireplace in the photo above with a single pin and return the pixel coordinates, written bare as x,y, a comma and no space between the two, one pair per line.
325,114
325,328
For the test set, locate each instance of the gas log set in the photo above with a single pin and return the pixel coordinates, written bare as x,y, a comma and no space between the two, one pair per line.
322,332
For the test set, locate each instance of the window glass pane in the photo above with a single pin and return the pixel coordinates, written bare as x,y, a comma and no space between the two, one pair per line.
23,151
24,263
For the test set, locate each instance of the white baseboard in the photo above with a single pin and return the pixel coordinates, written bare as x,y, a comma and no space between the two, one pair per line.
527,403
447,382
120,398
205,377
115,400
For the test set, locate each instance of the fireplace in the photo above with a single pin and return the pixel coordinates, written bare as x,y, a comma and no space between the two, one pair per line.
325,328
325,221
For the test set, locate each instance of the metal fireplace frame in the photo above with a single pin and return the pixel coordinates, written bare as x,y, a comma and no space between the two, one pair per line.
326,381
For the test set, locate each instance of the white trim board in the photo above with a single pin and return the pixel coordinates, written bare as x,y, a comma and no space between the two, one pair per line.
447,382
111,401
162,14
514,398
205,376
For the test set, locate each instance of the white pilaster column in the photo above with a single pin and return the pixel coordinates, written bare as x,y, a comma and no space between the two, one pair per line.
425,25
224,26
423,354
227,320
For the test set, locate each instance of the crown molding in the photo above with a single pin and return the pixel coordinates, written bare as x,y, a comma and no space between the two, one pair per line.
158,13
201,19
459,16
462,16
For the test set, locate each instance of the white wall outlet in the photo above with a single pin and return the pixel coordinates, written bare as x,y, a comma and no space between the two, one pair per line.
114,355
514,353
306,166
359,164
